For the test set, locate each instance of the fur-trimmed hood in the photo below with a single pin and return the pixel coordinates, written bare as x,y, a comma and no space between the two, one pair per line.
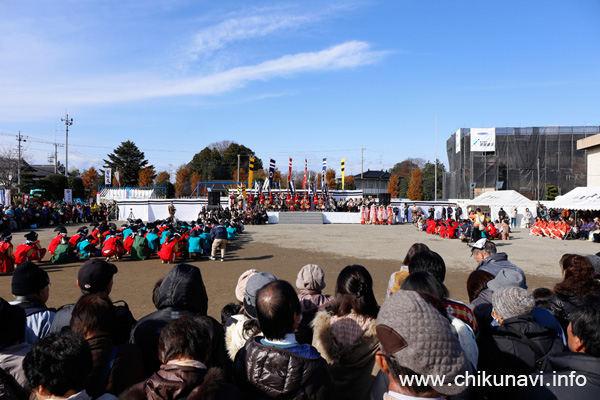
357,354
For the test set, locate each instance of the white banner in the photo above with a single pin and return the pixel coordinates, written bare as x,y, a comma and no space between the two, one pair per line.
107,176
457,140
68,196
8,198
483,139
117,178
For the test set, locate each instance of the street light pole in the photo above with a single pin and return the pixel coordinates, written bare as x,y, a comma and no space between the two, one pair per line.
68,122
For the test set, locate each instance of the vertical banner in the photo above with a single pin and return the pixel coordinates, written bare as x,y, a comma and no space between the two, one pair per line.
117,178
323,174
292,187
25,198
68,196
8,198
343,171
305,169
250,171
107,176
290,172
2,198
271,172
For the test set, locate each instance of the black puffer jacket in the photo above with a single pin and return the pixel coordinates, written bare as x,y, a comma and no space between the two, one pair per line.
504,352
562,305
265,372
562,365
181,293
179,382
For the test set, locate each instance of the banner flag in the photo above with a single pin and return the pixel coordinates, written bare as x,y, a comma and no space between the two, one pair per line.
271,173
323,174
250,172
107,176
343,173
457,138
290,173
305,169
68,196
292,187
117,178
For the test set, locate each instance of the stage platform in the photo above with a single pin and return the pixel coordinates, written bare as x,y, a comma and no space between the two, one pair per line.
313,217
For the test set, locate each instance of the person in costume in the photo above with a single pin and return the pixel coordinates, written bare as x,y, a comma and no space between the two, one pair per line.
170,250
62,232
140,249
7,259
113,246
31,250
64,253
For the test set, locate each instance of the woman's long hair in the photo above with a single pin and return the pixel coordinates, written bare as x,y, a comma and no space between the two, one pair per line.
579,276
354,291
414,249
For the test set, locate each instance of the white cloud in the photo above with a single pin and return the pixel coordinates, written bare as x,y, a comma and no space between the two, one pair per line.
36,98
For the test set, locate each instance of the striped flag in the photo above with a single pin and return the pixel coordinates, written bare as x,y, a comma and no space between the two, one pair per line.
292,187
290,173
343,171
271,172
323,174
250,171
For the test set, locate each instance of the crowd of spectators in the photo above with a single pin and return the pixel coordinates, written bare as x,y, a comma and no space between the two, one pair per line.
277,341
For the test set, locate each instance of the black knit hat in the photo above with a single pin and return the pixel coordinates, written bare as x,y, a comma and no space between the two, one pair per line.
28,278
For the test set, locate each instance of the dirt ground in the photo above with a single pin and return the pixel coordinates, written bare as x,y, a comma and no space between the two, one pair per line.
284,249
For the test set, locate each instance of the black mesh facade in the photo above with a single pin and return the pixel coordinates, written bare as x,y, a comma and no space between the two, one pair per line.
524,159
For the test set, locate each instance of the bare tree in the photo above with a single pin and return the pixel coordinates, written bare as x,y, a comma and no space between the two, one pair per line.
9,164
220,146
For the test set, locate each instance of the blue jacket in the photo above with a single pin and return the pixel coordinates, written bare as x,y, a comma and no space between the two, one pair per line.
218,232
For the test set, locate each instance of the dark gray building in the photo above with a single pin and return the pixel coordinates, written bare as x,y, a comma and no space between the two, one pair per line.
522,159
372,182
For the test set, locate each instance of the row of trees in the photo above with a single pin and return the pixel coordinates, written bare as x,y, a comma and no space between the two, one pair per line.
414,178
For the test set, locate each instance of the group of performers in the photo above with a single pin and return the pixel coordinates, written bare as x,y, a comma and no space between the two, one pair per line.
554,229
170,240
463,229
298,201
375,215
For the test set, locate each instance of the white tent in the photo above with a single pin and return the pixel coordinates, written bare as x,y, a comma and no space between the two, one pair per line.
581,198
505,199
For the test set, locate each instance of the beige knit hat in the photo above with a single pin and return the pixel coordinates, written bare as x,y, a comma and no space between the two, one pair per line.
512,301
240,289
311,277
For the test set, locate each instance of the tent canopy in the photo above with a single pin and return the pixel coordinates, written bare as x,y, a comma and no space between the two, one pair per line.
501,198
581,198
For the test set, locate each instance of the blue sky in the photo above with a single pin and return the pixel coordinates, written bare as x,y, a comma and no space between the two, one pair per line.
290,78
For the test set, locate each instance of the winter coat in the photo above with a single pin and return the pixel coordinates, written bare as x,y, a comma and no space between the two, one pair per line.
562,365
11,361
38,317
496,262
7,259
178,382
235,335
139,249
353,367
181,293
127,366
504,352
266,372
562,305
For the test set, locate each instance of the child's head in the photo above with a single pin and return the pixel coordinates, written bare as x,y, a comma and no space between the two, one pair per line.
311,277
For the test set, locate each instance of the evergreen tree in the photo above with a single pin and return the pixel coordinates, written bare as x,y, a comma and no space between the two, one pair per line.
128,160
429,180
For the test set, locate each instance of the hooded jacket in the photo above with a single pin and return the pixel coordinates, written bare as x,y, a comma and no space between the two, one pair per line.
181,293
496,262
353,368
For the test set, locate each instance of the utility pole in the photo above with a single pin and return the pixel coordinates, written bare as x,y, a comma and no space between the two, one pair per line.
68,122
362,149
435,173
19,139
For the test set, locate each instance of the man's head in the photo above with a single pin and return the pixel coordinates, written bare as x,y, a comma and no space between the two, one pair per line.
428,261
482,249
254,284
58,365
30,280
12,320
185,338
96,275
415,339
584,329
93,314
511,302
277,309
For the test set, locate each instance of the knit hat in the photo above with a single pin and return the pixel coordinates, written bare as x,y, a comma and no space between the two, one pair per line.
512,301
595,260
28,278
12,319
240,288
311,277
507,278
255,283
421,339
95,275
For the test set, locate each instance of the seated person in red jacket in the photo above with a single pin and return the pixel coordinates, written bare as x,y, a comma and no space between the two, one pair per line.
31,250
113,246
